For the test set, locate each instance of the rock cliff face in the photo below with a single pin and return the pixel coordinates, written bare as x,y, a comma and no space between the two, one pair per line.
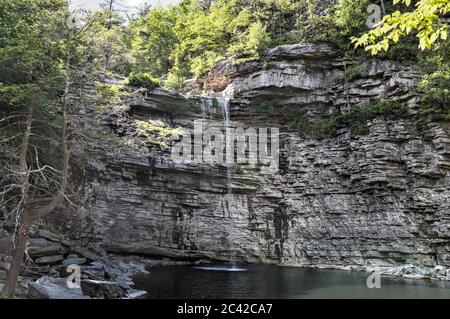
345,200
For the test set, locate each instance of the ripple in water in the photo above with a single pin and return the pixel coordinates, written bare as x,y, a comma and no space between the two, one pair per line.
221,268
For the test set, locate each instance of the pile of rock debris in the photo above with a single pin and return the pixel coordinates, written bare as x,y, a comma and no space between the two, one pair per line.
56,268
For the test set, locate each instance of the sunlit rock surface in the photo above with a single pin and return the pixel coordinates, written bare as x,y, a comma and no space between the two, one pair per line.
380,199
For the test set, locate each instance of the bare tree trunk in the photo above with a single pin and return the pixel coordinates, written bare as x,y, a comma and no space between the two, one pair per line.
383,8
107,59
58,197
107,51
19,253
25,208
23,211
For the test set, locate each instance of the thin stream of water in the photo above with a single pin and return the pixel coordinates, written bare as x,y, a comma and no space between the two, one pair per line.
229,144
230,205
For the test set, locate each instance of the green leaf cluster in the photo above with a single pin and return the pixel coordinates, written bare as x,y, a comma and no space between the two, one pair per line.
425,21
143,80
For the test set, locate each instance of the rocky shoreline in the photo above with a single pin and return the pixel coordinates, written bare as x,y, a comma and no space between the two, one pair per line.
408,271
52,264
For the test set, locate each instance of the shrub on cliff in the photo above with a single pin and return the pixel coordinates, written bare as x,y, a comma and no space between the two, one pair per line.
143,80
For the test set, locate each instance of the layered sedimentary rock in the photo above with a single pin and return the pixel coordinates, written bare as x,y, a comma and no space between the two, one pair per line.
377,199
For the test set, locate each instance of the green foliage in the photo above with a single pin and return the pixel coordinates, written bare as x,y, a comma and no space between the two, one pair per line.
434,85
108,91
109,96
176,77
157,132
311,25
30,49
405,51
202,39
356,119
435,82
354,71
185,41
425,23
180,107
105,43
424,20
256,41
143,80
350,17
153,40
204,62
52,227
435,88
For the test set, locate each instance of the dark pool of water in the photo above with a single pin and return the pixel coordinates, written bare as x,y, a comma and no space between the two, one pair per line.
273,282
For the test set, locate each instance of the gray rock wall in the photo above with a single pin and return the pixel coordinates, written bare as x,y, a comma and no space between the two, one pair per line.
378,199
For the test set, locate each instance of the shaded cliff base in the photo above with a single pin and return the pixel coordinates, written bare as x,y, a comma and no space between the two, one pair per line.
107,276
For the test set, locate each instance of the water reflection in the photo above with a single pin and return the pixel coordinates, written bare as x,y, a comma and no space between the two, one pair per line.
264,281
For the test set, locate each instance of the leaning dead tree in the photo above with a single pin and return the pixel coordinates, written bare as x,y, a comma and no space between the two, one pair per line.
37,196
32,188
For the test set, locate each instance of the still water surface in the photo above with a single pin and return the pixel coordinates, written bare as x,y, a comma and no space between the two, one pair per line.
274,282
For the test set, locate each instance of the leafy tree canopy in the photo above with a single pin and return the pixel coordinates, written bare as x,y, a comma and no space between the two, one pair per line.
186,40
427,21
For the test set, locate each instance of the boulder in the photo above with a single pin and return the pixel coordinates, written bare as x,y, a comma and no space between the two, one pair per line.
439,272
101,289
74,261
49,260
40,247
44,233
4,265
135,294
221,75
95,270
84,253
22,289
36,272
36,252
301,51
53,288
124,281
97,264
6,246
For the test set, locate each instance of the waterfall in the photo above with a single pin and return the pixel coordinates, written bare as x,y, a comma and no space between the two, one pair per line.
208,105
225,105
229,162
